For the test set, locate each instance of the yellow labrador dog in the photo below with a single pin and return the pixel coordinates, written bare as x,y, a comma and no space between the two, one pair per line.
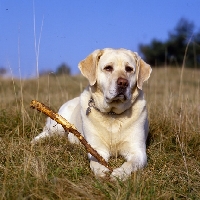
111,112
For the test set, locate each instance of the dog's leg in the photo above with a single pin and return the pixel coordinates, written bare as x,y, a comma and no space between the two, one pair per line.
71,112
51,128
98,169
134,161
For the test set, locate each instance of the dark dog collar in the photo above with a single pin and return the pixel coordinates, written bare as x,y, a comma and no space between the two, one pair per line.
91,104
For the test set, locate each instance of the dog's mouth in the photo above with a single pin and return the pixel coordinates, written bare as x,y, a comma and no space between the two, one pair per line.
117,99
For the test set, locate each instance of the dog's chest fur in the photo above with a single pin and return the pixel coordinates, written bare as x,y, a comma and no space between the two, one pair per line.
113,131
109,129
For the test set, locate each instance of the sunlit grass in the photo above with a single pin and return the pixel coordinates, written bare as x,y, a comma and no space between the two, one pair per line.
55,169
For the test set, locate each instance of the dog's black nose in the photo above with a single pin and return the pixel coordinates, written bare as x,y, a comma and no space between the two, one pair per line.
122,83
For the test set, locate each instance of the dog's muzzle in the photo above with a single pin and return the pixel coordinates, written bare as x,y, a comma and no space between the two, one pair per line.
121,88
122,85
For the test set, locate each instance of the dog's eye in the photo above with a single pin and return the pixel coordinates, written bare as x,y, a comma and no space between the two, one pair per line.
108,68
128,69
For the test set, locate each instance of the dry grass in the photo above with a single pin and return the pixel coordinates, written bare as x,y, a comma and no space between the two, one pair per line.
55,169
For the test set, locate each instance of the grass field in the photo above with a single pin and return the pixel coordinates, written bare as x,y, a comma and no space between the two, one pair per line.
55,169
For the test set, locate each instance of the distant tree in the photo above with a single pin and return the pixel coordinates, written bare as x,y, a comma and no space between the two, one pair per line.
178,39
46,72
154,52
172,51
63,69
3,71
183,31
194,50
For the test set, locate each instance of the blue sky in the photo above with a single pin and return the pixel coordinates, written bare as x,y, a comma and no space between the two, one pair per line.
68,30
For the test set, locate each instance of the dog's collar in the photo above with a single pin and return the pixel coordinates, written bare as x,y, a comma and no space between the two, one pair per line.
91,104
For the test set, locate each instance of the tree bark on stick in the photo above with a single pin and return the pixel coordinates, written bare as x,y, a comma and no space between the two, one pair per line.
69,128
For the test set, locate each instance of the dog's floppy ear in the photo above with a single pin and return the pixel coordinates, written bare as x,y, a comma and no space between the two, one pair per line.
89,64
143,71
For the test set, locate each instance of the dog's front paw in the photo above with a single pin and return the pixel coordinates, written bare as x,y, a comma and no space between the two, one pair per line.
123,172
119,173
98,169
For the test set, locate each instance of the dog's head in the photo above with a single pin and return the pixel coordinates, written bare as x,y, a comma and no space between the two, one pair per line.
116,73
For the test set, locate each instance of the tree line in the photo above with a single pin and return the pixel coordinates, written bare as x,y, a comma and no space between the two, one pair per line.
183,42
61,69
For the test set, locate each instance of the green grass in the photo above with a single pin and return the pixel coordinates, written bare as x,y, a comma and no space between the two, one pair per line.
55,169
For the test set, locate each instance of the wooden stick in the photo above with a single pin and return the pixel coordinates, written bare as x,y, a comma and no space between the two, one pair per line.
69,128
